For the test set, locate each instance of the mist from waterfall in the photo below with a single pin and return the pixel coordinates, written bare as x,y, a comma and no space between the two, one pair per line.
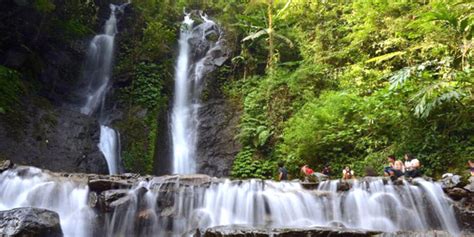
190,70
97,72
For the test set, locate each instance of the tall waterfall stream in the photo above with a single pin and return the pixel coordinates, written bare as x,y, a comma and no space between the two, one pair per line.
190,70
98,70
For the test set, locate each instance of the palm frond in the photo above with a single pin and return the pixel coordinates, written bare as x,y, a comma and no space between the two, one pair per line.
255,35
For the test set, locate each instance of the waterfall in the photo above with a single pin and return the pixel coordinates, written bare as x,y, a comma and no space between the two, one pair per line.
97,72
178,210
30,187
177,206
191,66
110,146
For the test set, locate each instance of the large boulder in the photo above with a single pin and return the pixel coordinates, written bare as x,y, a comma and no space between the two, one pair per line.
31,222
5,165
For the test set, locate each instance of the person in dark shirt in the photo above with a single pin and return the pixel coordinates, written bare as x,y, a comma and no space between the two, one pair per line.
282,172
327,170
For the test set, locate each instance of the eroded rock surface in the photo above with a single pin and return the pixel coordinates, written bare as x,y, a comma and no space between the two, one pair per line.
245,231
30,222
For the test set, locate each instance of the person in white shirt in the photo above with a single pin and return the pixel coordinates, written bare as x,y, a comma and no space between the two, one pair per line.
412,166
347,173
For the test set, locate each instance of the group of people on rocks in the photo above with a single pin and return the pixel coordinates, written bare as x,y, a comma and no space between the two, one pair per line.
396,168
410,168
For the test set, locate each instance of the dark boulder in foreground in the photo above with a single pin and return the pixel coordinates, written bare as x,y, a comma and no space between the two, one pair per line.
245,231
30,222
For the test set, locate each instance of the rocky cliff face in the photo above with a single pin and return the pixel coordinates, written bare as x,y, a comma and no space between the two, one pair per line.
218,120
54,138
217,145
48,46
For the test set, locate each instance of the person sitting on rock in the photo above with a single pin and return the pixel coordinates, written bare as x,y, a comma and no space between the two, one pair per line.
412,166
471,167
347,173
282,172
398,169
306,172
326,170
309,174
389,170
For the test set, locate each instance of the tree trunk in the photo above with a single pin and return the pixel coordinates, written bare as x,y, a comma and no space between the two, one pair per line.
270,36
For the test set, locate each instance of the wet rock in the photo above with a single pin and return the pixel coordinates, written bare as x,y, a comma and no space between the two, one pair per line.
457,193
432,233
470,186
93,199
309,185
31,222
56,139
343,186
217,146
245,231
113,195
110,199
450,180
5,165
100,185
188,180
464,211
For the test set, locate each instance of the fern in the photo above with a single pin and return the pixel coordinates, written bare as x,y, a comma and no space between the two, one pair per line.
400,77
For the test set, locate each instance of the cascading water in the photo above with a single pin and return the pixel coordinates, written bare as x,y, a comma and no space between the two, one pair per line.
97,73
30,187
177,205
178,210
194,51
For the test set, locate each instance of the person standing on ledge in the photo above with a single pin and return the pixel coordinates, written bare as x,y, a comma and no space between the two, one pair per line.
282,172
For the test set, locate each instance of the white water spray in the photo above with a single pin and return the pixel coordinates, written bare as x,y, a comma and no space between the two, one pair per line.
182,122
369,205
190,70
31,187
98,72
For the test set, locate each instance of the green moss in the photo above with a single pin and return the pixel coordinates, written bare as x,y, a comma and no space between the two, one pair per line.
44,6
138,144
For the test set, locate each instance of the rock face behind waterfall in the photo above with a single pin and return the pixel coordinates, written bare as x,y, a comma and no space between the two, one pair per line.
46,131
30,222
216,144
57,139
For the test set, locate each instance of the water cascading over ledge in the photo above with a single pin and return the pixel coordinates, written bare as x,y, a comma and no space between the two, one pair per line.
97,74
131,205
198,46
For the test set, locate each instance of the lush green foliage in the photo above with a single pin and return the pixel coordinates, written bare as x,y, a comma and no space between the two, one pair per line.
318,82
138,155
11,88
368,79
